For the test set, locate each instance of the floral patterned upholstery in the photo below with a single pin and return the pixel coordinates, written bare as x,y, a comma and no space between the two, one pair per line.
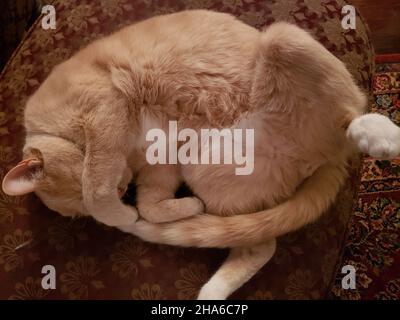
94,261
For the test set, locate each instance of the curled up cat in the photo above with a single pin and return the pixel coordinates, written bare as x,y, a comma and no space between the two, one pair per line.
86,132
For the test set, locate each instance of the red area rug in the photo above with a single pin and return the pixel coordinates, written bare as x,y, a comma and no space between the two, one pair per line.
373,242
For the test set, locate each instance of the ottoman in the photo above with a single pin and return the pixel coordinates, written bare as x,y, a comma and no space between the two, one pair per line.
93,261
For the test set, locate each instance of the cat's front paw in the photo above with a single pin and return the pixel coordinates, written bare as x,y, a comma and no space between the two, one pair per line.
123,215
375,135
185,207
127,228
171,209
129,216
115,214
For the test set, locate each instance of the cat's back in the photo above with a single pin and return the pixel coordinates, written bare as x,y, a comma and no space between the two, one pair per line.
184,37
197,33
199,58
202,58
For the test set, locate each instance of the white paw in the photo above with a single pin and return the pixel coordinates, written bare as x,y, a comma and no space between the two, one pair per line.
375,135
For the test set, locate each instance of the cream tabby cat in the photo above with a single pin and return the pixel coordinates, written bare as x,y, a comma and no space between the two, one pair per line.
86,128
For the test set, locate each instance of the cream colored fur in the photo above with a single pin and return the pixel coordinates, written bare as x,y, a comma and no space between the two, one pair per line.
86,128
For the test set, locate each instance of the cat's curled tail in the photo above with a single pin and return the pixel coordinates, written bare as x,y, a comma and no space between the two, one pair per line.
308,203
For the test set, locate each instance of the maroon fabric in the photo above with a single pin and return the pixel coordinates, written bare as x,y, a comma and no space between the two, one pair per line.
94,261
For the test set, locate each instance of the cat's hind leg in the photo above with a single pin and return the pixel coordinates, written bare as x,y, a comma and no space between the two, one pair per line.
156,187
241,264
375,135
295,74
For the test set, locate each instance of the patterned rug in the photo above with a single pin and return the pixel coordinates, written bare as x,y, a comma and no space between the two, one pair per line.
373,243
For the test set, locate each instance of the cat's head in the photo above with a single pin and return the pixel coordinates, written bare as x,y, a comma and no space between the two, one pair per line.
52,168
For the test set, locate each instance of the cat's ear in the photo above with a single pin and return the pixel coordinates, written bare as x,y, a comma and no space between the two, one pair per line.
23,178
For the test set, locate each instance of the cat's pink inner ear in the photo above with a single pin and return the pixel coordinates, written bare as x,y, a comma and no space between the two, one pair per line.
23,178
